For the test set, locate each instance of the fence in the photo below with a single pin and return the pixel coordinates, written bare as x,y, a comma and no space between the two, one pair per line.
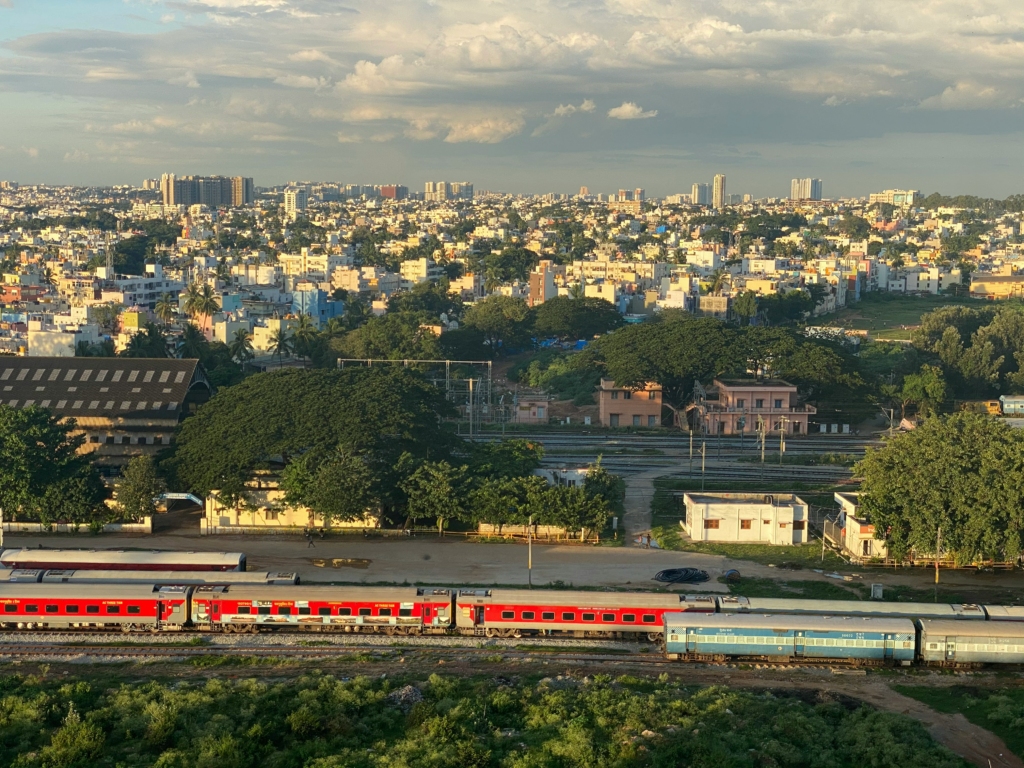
146,527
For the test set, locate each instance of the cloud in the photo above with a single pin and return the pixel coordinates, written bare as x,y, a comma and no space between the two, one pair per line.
76,156
490,130
833,101
973,95
188,79
31,152
564,110
629,110
304,81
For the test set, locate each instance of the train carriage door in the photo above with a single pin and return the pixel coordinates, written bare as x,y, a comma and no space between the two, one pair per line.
159,612
798,643
950,649
478,616
890,644
691,641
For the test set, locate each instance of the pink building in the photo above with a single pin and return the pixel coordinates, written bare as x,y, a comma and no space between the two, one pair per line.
532,409
736,405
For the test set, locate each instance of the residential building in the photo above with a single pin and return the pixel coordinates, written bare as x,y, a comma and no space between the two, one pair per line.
212,191
718,200
734,406
986,285
779,519
419,270
295,202
805,189
123,406
898,197
701,194
314,302
624,407
542,283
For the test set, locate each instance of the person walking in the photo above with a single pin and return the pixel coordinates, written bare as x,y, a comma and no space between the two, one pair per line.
309,540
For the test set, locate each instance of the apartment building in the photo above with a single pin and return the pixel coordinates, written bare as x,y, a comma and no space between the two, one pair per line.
623,407
734,406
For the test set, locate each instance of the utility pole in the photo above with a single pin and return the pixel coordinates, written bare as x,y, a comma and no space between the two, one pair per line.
761,432
703,452
690,473
529,552
938,548
782,437
471,410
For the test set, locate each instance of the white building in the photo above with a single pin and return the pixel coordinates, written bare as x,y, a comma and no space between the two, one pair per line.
295,202
778,519
418,270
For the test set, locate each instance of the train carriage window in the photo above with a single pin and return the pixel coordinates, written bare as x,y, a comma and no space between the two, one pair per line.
134,609
548,615
364,611
243,609
344,611
589,616
263,610
113,609
649,618
629,617
71,609
324,611
405,611
529,615
31,609
384,612
92,609
304,610
508,614
607,617
51,609
10,608
568,616
284,610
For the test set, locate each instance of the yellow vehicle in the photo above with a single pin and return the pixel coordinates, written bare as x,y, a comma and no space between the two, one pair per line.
991,407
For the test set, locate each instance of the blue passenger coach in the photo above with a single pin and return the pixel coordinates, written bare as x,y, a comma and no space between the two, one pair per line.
852,638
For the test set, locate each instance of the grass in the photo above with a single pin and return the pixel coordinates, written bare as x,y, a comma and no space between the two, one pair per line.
999,711
806,459
884,314
806,589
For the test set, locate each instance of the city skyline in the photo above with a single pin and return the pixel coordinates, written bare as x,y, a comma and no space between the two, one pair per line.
520,97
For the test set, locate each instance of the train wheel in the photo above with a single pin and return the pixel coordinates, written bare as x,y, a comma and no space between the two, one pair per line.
517,633
492,632
654,637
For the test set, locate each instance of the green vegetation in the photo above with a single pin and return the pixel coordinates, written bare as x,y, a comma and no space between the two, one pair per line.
963,474
566,376
1000,711
806,589
42,477
805,459
138,488
320,721
885,314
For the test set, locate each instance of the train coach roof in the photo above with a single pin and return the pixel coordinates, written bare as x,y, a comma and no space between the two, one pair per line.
15,558
89,576
941,628
677,621
1005,612
849,607
10,591
319,592
577,599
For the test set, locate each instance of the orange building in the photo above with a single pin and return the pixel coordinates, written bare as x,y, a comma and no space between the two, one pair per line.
623,407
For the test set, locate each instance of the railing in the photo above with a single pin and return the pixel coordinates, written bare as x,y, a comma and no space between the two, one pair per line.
712,408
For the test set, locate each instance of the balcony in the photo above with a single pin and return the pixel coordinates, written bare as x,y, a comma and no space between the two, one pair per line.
714,408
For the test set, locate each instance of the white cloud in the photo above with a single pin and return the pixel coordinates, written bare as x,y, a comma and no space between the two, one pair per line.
564,110
833,101
304,81
348,138
973,95
31,152
188,79
76,156
629,110
489,130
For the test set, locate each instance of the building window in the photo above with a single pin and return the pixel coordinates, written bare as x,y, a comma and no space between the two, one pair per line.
778,403
652,395
627,395
759,403
613,420
798,525
767,522
540,412
741,403
636,421
271,515
796,427
710,525
615,394
745,524
783,525
652,421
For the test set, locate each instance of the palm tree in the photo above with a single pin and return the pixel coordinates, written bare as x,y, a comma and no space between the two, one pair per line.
201,301
356,314
335,327
577,291
241,346
193,295
193,342
303,336
492,279
280,344
166,308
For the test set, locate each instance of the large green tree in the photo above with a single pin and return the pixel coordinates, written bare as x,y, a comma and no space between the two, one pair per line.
963,474
394,336
138,489
42,475
504,321
572,319
339,486
437,490
380,414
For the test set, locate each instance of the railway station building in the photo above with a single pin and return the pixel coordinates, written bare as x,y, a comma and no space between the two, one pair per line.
123,406
735,406
625,407
753,518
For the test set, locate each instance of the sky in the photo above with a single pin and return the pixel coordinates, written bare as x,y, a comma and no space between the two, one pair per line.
519,95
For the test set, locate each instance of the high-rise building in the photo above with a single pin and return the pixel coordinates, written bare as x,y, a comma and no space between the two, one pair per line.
701,194
295,201
211,191
718,193
805,189
897,197
639,194
439,191
584,192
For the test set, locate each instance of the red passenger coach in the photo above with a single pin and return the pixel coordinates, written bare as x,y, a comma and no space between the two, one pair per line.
392,610
62,606
513,613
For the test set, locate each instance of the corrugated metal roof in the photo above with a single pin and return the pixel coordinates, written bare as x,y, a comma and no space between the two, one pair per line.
106,387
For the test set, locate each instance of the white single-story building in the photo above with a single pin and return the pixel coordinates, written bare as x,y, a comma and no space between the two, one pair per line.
851,532
745,518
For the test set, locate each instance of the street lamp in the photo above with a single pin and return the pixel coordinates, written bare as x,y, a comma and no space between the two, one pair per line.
529,552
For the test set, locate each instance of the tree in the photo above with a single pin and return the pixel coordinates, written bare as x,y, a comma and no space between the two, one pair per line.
436,490
201,301
166,308
503,320
339,486
745,307
394,336
574,510
280,344
106,315
962,473
380,414
147,342
304,335
42,475
926,389
504,460
241,346
193,344
138,488
572,319
430,297
512,263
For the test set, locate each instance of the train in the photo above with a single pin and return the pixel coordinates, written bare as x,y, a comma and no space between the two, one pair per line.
60,576
120,560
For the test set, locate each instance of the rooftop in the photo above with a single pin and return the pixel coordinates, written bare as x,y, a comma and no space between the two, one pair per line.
754,383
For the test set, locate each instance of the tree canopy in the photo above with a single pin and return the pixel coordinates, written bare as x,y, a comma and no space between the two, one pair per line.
571,319
963,473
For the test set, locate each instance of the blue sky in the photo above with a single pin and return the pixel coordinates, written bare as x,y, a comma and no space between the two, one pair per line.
525,96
